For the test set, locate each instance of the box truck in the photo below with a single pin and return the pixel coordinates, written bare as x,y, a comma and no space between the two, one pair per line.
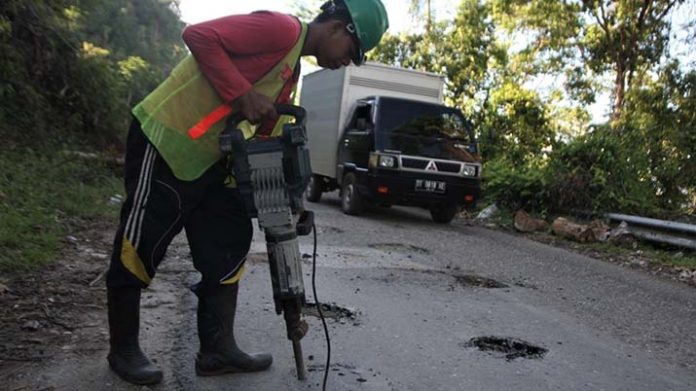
383,136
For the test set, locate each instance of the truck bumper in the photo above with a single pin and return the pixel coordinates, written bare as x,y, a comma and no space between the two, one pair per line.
399,188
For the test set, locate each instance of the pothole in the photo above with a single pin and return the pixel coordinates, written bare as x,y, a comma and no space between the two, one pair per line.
399,247
478,281
332,311
510,348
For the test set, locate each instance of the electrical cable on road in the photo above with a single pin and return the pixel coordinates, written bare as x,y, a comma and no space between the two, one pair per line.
321,314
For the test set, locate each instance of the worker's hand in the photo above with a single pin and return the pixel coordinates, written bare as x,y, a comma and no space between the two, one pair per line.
256,107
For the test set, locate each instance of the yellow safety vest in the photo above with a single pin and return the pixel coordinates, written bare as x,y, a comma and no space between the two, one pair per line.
186,100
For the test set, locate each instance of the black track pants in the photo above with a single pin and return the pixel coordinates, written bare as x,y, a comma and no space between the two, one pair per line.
158,206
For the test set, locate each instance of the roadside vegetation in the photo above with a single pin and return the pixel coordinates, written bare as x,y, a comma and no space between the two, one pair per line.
45,195
69,72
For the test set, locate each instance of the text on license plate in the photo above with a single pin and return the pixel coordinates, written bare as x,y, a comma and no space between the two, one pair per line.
431,186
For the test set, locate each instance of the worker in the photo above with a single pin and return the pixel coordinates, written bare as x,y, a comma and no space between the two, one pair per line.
176,178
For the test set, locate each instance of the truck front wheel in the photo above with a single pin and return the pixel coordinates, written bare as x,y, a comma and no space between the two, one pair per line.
443,214
314,189
351,202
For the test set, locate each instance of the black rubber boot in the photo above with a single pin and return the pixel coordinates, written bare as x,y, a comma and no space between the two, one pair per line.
219,353
125,357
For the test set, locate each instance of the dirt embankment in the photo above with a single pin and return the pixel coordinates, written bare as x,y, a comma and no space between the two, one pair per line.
60,310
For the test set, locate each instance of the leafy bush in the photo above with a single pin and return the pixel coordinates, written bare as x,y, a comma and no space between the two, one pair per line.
515,186
599,172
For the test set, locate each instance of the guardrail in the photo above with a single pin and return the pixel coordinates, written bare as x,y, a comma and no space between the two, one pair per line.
659,231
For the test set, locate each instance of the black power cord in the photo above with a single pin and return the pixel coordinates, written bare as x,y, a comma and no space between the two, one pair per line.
321,314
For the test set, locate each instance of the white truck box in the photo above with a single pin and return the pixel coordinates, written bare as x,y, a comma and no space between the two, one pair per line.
329,95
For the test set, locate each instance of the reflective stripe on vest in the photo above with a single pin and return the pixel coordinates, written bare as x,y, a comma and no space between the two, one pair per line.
186,101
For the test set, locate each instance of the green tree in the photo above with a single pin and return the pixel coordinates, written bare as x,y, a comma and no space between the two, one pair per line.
416,10
141,30
518,126
475,62
660,122
75,67
509,118
622,37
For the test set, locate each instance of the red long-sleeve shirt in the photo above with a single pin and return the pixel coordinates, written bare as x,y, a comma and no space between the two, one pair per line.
235,51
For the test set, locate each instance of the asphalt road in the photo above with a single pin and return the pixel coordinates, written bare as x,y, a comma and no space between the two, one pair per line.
415,294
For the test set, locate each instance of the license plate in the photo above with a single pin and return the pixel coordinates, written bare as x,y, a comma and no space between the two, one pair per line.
430,186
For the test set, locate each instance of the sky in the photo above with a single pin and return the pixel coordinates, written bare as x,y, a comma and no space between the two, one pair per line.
194,11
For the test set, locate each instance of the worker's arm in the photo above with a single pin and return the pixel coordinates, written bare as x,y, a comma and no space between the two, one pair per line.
215,43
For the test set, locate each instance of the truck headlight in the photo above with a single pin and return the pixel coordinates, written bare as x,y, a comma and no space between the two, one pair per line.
387,161
469,170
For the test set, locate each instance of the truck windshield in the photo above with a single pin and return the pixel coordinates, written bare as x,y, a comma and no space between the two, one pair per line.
420,128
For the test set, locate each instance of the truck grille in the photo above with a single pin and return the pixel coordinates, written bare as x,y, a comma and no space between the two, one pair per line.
449,167
414,163
423,164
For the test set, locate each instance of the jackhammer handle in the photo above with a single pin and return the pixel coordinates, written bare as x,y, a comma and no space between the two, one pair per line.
297,112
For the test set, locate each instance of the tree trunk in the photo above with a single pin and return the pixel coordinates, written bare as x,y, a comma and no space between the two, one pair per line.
619,92
427,23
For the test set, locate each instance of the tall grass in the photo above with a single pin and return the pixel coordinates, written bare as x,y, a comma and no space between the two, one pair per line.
44,194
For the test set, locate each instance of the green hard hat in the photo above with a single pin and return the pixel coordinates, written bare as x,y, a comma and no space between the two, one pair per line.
370,22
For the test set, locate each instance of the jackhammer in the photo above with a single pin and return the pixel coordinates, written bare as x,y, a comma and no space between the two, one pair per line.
271,176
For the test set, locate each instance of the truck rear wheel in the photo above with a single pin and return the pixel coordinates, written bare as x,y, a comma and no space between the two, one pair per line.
444,214
314,189
351,201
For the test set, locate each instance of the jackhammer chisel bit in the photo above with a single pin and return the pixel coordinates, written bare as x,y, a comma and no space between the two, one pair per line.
271,176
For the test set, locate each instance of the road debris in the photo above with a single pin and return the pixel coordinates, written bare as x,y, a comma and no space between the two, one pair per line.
594,232
621,235
116,199
525,223
487,213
